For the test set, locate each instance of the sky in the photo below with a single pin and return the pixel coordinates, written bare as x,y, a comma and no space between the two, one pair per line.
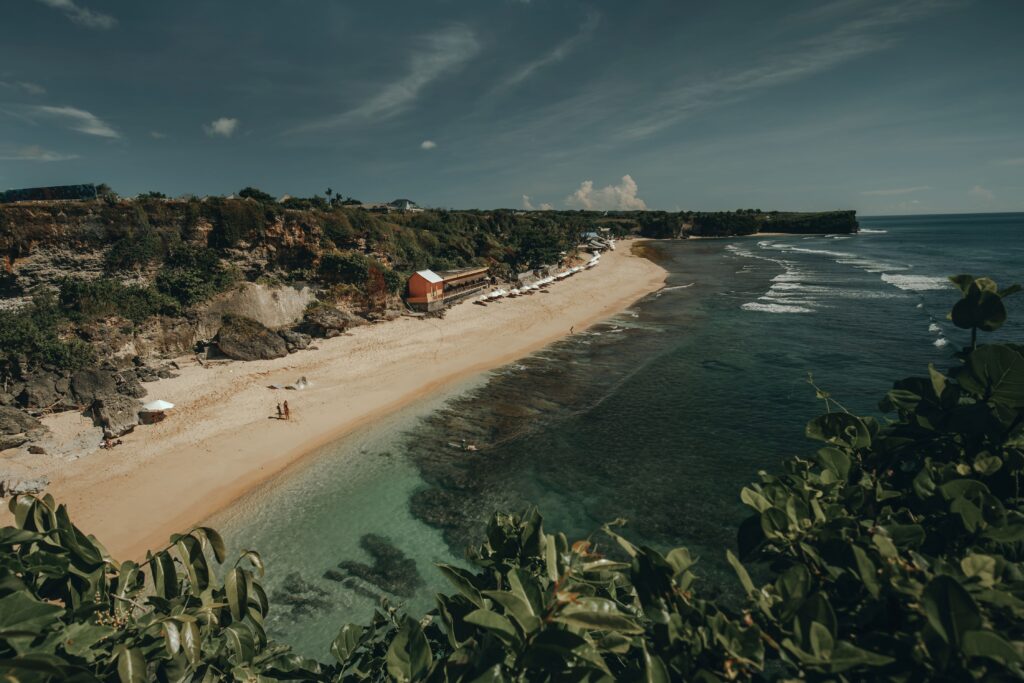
883,106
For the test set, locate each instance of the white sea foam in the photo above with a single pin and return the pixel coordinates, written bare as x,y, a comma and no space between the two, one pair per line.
870,231
940,342
916,283
934,328
775,308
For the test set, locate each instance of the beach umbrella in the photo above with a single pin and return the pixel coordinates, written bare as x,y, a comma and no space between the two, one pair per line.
157,406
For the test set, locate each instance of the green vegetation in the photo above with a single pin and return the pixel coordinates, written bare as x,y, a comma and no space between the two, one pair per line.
33,336
894,552
193,274
88,300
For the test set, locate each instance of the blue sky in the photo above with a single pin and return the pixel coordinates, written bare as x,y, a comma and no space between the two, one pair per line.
894,106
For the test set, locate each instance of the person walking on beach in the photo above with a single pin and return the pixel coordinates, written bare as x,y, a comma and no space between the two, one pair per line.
280,415
571,329
287,413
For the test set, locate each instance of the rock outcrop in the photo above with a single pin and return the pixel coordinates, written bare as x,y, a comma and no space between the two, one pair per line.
17,428
116,414
244,339
327,322
92,384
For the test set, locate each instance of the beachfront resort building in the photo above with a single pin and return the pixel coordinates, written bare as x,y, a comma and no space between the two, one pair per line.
430,291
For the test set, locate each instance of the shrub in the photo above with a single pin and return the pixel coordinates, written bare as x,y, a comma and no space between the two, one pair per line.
87,300
34,333
234,221
193,274
254,193
140,247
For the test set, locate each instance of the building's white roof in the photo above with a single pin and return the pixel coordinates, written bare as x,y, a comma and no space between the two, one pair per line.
430,276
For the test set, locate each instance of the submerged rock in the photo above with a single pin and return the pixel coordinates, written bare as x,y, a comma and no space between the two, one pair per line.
244,339
300,596
392,570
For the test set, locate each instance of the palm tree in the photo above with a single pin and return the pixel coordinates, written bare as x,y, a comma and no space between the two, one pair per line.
329,193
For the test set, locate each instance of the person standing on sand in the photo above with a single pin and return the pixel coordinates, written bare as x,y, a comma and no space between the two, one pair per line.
280,415
571,329
287,413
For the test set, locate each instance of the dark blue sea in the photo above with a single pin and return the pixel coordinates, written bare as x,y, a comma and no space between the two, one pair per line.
659,415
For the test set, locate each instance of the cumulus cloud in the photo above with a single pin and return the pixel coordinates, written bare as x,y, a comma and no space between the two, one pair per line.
439,54
428,144
81,15
982,193
528,205
32,153
621,197
223,127
893,192
77,119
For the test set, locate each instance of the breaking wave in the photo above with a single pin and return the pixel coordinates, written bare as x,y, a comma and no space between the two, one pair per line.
916,283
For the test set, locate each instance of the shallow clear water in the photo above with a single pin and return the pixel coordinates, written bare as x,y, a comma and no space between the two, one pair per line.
659,415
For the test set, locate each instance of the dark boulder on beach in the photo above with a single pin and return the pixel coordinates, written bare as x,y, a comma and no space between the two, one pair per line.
244,339
117,414
42,391
17,428
91,384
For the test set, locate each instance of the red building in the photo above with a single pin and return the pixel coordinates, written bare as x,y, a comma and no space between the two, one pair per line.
430,291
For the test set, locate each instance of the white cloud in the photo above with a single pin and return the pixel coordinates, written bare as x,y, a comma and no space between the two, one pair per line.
157,135
528,205
896,191
224,127
82,15
78,119
621,197
560,52
982,193
30,88
33,153
1019,161
428,144
441,53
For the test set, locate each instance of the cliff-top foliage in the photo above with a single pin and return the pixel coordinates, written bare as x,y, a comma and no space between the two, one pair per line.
893,552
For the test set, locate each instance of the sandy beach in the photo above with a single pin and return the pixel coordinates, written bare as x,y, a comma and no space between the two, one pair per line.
221,440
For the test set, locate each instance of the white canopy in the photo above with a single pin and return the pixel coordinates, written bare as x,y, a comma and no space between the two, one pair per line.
157,406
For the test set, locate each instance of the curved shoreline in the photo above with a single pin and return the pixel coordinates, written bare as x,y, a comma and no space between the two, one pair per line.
218,445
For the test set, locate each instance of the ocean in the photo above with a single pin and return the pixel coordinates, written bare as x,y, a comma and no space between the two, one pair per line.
658,416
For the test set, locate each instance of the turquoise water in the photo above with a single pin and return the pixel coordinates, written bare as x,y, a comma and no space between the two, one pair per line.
659,415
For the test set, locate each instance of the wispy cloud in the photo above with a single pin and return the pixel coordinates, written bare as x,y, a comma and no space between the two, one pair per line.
428,145
621,197
24,86
1019,161
979,192
560,52
892,192
81,15
32,153
871,31
157,135
76,119
223,127
439,54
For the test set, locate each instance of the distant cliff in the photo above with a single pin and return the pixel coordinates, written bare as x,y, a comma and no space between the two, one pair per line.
659,224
